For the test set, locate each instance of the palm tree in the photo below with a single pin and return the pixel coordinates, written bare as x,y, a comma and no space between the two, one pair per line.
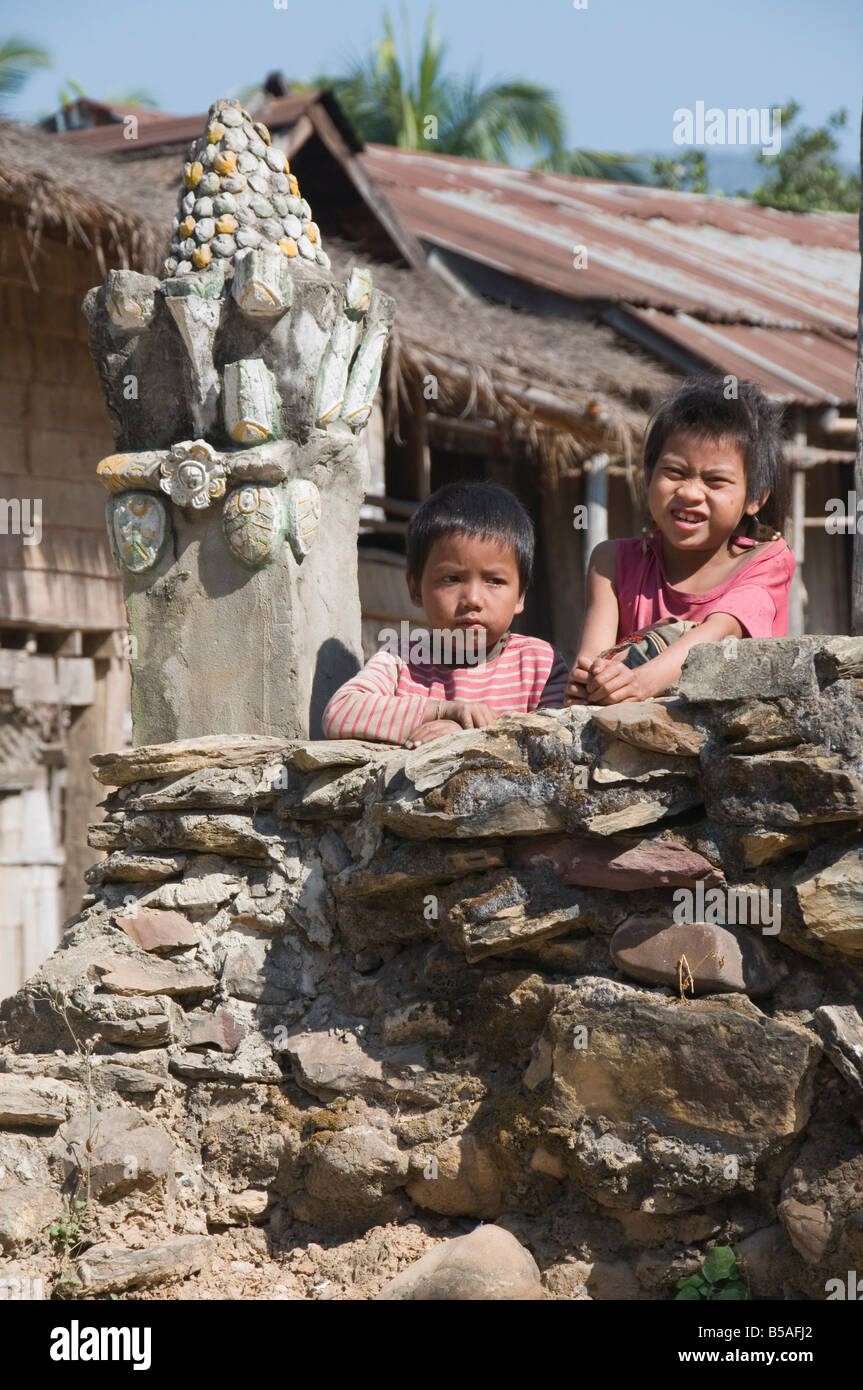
390,101
18,61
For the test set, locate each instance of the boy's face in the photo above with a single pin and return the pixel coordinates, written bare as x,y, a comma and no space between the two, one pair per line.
469,583
697,492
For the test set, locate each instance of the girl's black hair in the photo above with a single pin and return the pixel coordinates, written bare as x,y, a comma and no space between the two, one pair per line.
701,406
471,509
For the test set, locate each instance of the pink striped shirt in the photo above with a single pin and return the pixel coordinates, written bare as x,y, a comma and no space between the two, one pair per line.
387,698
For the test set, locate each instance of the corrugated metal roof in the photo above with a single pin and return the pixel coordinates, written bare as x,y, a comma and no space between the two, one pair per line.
792,366
735,281
160,128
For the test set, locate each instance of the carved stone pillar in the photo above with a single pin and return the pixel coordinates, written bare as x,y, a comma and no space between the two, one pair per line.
238,384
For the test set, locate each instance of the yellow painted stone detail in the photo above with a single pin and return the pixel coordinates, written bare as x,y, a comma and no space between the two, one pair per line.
202,257
167,268
288,245
226,224
249,432
287,169
295,187
215,131
187,226
225,162
193,173
313,232
119,472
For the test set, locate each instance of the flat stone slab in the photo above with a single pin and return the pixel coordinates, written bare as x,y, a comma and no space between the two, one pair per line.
205,833
135,868
841,1029
156,760
27,1101
332,1062
695,957
782,788
219,1029
830,900
153,977
743,669
157,931
111,1268
651,724
606,864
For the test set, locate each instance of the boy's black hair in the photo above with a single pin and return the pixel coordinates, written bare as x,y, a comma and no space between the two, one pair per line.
749,420
471,509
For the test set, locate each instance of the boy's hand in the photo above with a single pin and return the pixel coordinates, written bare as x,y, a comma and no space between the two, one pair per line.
451,717
469,714
436,728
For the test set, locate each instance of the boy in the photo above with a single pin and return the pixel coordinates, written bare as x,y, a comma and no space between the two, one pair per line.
469,561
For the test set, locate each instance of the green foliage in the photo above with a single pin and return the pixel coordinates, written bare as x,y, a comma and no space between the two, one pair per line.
718,1279
18,61
390,100
804,176
68,1233
685,173
596,164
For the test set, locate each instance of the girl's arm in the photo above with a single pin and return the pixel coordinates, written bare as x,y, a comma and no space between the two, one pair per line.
610,681
601,618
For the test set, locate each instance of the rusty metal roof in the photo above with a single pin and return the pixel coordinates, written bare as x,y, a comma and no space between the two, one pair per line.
719,279
790,365
157,128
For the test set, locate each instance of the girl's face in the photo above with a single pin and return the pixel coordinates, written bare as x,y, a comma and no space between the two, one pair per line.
697,492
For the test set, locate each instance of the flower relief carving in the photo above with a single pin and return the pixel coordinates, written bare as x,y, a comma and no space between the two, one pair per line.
193,474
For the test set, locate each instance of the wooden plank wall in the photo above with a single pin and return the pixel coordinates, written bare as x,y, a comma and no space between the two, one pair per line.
53,431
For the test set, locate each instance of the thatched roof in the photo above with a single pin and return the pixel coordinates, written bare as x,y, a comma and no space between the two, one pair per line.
53,190
567,387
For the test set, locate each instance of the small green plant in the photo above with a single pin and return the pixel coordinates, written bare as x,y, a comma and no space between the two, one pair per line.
718,1278
69,1235
71,1231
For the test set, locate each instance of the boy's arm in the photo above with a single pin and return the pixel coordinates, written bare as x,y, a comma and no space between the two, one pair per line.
610,681
367,705
601,618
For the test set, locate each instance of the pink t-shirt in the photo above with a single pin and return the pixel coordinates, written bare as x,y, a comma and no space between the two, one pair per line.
756,594
388,697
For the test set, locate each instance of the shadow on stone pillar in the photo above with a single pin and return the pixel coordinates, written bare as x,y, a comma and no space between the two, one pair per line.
237,384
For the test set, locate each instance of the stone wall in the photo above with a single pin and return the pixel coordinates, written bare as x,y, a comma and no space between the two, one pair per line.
321,989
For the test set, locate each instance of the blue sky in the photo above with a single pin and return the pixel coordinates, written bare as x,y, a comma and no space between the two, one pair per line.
620,67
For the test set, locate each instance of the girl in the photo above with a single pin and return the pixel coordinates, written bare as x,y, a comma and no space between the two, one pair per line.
716,566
